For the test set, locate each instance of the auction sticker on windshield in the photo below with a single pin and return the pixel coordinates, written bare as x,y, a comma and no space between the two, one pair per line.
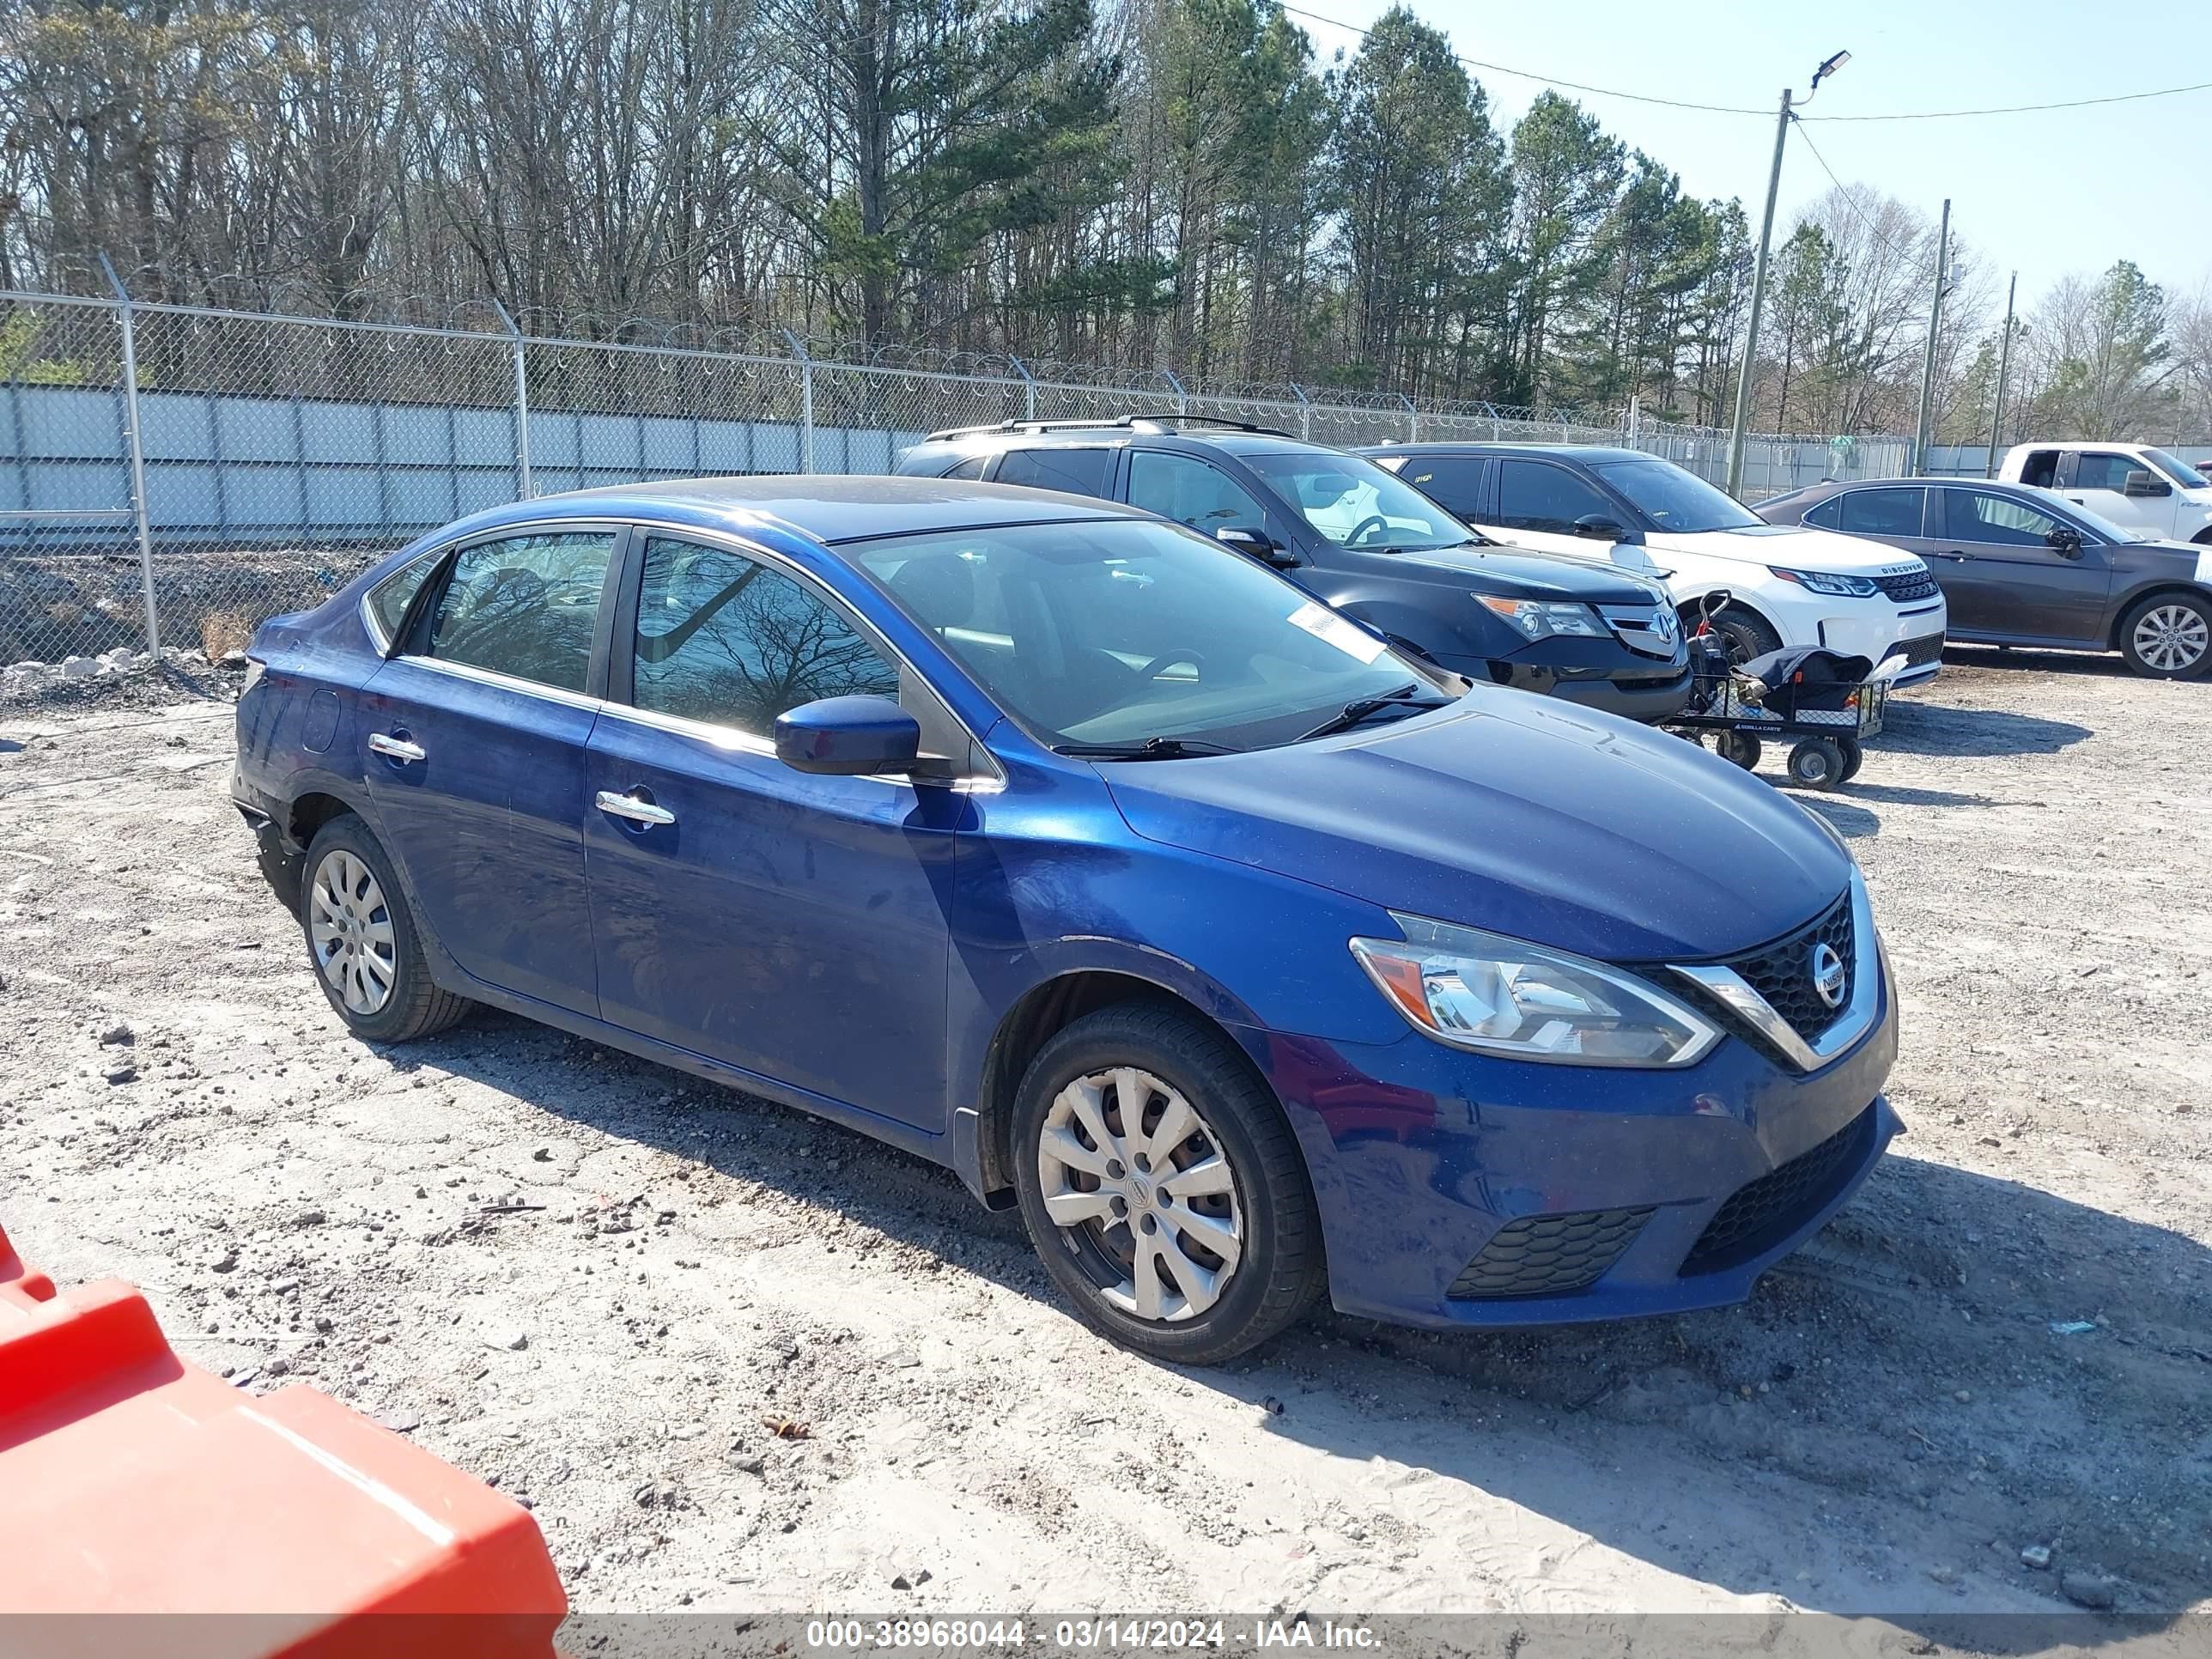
1325,625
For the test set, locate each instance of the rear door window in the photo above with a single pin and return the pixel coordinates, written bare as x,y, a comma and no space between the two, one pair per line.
525,606
1828,515
389,599
1079,472
1890,512
1537,495
1453,482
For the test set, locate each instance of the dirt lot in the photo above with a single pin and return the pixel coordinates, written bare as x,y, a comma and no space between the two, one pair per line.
589,1280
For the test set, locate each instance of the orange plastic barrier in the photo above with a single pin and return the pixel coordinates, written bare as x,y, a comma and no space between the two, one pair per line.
281,1524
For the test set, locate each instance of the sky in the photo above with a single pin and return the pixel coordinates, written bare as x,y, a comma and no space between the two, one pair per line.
2045,194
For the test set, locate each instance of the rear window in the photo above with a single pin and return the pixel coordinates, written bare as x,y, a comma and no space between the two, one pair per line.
1079,472
1893,512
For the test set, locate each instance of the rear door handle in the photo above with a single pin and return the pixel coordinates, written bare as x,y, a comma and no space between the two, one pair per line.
399,749
637,811
1954,554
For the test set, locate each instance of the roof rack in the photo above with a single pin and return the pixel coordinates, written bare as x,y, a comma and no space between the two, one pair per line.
1168,419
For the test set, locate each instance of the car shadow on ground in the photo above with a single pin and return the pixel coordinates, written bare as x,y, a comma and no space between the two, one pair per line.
1839,1374
2003,658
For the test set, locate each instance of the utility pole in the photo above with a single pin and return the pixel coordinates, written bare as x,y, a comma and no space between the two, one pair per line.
1743,383
1920,432
2004,370
1757,303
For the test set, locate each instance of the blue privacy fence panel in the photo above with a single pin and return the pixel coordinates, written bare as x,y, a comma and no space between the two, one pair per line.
260,472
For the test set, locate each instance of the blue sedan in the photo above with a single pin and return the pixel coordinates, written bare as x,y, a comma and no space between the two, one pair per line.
1056,843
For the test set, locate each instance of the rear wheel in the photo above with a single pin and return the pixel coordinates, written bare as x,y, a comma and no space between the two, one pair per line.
362,939
1163,1187
2168,636
1817,763
1854,758
1741,748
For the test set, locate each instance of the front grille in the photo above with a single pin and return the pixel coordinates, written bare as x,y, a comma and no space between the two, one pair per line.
1923,650
1916,585
1783,972
1761,1214
1548,1255
1648,630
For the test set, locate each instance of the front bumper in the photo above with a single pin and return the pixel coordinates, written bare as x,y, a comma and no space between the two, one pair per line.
1872,629
1618,683
1449,1182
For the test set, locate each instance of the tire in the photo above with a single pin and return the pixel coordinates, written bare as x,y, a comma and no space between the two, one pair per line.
1740,749
1099,1259
1746,632
2168,636
1817,763
1854,758
381,986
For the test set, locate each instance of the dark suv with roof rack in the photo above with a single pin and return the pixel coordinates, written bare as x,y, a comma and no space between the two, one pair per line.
1360,540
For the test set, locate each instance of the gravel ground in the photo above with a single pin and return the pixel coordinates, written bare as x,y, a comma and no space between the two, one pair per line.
596,1283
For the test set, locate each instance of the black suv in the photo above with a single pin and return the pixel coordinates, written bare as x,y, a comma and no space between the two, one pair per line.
1361,540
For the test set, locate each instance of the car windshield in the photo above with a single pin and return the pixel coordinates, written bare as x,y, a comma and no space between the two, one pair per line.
1355,503
1674,499
2175,468
1122,632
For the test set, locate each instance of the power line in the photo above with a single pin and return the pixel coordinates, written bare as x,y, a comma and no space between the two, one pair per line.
2021,109
1740,109
1850,200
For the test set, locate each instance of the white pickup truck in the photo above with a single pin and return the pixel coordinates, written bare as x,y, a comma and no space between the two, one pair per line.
2137,486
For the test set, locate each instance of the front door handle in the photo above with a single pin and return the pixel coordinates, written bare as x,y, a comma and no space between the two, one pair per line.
399,749
637,811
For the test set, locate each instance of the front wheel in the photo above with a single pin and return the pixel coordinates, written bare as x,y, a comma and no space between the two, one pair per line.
362,939
2168,636
1745,632
1163,1187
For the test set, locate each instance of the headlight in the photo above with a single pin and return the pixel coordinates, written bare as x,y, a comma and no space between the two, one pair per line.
1821,581
1498,996
1543,620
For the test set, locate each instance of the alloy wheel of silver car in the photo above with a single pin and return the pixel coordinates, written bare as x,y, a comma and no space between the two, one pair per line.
349,928
2171,638
1143,1188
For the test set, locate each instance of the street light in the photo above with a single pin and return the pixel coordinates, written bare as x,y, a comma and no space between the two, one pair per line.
1759,275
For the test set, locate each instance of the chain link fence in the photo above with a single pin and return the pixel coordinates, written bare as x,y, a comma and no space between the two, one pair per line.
170,476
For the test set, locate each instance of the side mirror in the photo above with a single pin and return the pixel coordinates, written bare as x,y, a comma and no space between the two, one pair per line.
849,736
2142,483
2066,541
1597,527
1257,542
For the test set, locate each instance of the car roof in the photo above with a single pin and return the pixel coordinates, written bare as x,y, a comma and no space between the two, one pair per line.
826,507
1473,446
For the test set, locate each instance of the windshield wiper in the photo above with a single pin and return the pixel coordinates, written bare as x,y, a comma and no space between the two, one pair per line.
1408,697
1150,749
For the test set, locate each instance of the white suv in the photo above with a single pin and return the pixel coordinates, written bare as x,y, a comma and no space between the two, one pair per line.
1789,585
2135,485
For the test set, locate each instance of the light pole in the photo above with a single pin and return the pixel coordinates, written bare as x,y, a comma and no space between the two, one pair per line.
2004,372
1759,273
1923,428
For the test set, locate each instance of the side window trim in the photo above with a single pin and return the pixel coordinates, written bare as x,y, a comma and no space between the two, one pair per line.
982,770
414,640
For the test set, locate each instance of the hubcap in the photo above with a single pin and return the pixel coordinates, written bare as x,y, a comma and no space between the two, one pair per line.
1142,1192
349,930
2172,637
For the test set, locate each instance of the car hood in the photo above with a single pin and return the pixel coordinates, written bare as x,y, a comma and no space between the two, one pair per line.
1514,813
1514,573
1792,546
